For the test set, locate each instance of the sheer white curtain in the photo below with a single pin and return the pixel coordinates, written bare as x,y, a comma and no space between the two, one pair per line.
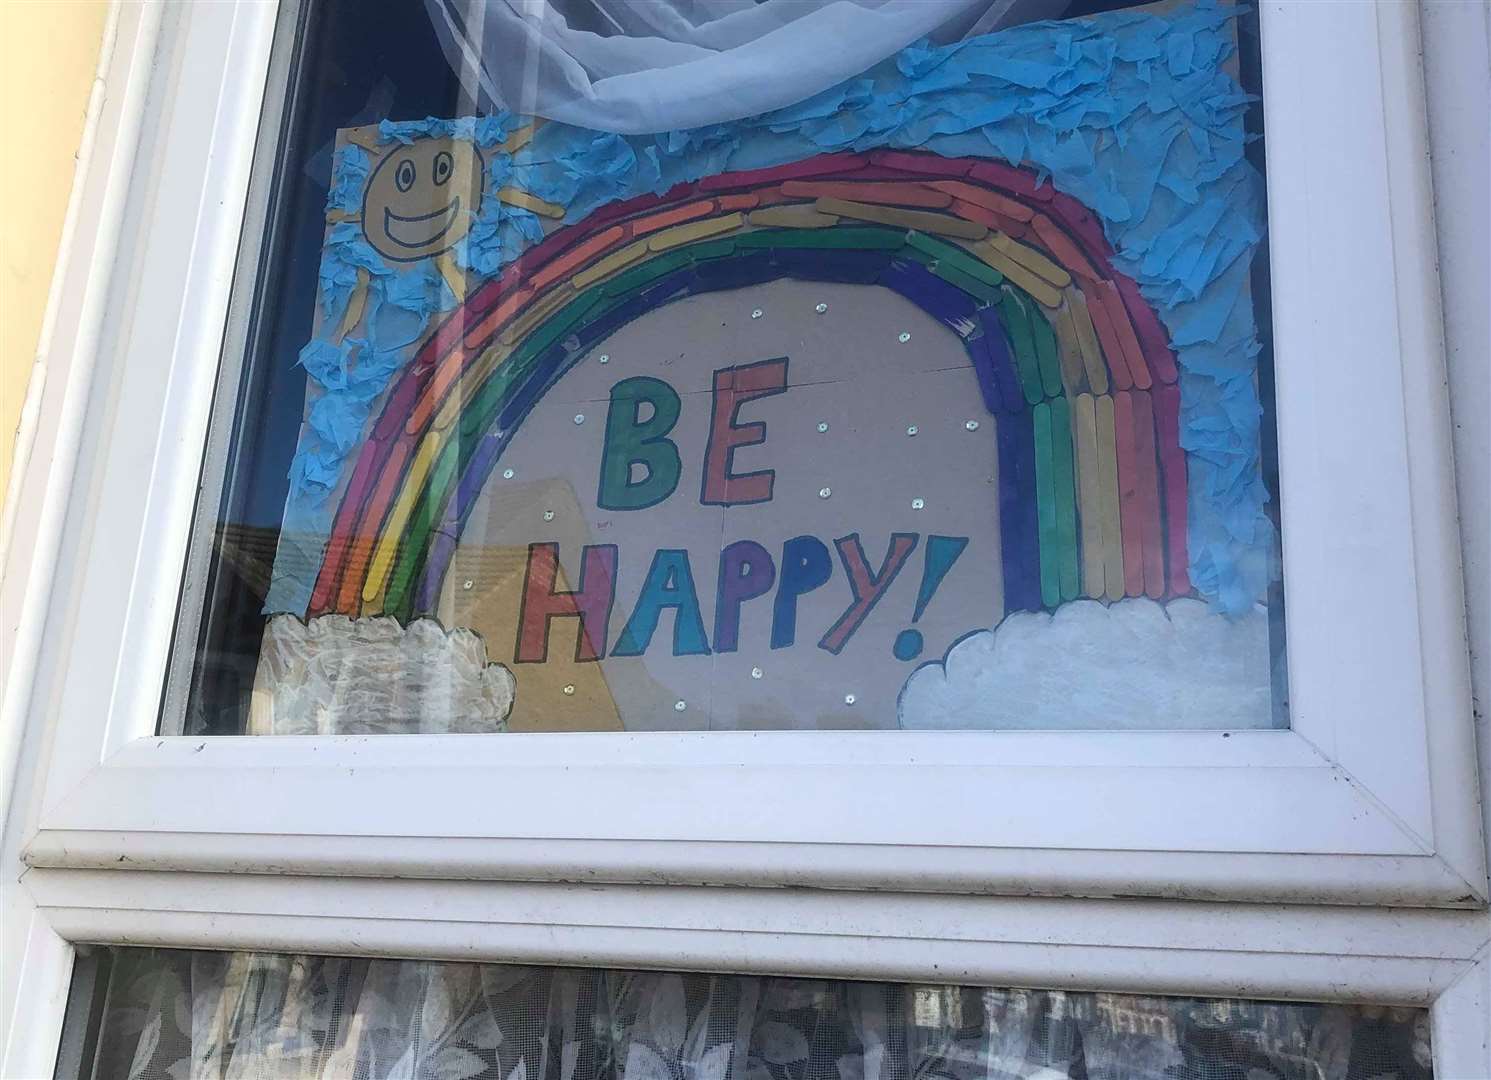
642,66
172,1015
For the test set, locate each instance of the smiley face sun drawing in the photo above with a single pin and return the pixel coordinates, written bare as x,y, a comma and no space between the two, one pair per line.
422,198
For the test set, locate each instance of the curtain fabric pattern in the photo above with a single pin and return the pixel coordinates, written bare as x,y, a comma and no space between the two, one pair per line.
242,1016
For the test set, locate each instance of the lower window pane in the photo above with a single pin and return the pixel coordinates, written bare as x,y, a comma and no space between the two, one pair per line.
149,1014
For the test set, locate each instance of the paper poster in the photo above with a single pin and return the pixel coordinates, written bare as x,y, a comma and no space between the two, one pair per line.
928,403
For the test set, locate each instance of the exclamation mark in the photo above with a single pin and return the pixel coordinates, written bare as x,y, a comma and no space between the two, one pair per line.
941,553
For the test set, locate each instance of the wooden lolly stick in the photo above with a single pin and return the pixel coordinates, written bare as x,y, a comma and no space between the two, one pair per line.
1130,512
1044,335
989,200
1062,247
1123,329
1080,223
1041,290
1001,359
890,194
927,164
943,252
1089,498
349,596
771,197
676,216
518,138
1153,337
942,224
795,216
824,165
745,200
1069,352
1173,477
1011,179
645,273
539,309
454,278
1016,321
613,263
470,381
434,391
562,266
1087,340
1068,563
1032,260
357,304
1118,367
398,517
987,218
959,278
629,208
1045,487
697,230
1113,579
848,237
1019,534
487,328
1148,475
525,201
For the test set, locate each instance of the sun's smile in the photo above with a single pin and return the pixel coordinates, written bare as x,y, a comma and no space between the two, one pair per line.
414,232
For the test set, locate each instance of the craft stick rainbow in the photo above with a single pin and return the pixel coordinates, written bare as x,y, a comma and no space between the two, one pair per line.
1019,272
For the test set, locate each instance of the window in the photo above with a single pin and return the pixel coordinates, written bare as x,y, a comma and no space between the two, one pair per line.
1327,852
158,1013
937,401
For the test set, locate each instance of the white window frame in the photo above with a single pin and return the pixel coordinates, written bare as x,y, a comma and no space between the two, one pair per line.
329,844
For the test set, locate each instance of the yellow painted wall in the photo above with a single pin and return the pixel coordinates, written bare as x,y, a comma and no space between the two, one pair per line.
48,57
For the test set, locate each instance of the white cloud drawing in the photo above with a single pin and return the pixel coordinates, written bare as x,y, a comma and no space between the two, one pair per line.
1135,664
339,676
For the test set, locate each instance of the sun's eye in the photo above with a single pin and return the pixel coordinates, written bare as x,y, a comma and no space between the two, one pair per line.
404,175
443,167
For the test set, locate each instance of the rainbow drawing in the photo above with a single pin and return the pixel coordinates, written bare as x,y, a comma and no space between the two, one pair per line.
1073,364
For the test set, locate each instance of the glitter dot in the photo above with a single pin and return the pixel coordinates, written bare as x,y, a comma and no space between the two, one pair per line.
912,430
821,308
917,504
971,425
468,584
605,359
679,705
507,474
824,492
548,515
569,690
756,673
757,313
905,337
822,426
579,418
849,699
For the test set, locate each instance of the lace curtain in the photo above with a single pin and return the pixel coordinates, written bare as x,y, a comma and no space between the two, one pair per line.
242,1016
635,68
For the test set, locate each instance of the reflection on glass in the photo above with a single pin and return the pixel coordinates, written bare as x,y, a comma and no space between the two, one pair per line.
933,400
173,1014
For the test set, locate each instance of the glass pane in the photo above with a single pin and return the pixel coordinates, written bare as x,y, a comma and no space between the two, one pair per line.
640,374
198,1014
